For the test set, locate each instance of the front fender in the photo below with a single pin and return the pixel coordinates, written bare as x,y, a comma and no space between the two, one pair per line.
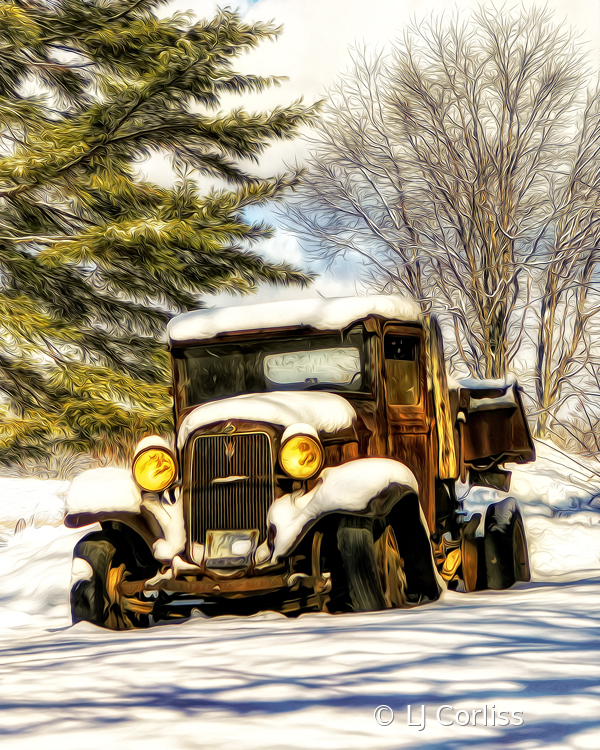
365,486
96,494
110,494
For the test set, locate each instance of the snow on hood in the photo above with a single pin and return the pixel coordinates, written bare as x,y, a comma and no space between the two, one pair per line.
323,314
326,412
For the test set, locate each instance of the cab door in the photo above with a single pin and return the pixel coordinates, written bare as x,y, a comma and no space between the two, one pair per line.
407,408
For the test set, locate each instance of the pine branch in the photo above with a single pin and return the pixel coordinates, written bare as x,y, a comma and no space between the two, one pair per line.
93,259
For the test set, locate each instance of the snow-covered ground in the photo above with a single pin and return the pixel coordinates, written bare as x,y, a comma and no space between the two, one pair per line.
313,682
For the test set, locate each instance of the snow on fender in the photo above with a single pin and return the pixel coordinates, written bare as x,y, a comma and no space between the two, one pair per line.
359,486
110,493
99,491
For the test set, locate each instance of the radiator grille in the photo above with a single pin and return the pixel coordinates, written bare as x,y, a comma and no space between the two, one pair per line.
239,504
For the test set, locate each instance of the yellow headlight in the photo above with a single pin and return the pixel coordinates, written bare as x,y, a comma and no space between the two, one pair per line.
154,469
301,456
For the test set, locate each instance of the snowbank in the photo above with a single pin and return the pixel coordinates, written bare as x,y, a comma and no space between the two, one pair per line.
36,501
35,570
559,496
35,554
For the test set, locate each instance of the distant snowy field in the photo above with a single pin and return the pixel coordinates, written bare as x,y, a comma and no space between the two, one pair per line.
313,682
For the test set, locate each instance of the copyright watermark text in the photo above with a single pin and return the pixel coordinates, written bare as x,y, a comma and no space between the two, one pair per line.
448,716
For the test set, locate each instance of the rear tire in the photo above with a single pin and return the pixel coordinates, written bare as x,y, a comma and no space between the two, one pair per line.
473,556
506,557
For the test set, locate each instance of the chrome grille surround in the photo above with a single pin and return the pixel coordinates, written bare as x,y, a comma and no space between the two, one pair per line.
231,483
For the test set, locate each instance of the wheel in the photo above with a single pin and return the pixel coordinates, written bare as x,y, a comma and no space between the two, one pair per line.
472,555
520,552
374,572
113,559
506,558
390,566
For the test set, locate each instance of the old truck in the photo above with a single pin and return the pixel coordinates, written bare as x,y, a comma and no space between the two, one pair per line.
316,452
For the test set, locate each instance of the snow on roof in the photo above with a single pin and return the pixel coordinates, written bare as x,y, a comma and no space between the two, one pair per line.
323,314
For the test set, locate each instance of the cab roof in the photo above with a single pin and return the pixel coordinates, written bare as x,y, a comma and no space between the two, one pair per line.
322,314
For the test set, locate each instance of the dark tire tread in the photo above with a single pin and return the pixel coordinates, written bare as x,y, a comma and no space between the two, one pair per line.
360,564
505,563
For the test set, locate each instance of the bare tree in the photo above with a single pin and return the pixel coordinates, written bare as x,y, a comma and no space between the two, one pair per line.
565,362
353,200
578,430
446,166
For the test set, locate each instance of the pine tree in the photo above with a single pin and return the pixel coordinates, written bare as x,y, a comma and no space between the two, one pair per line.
94,259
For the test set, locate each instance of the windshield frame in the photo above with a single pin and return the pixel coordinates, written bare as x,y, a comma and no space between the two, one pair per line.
255,340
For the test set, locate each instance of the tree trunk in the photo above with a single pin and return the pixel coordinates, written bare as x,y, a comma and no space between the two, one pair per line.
495,339
543,362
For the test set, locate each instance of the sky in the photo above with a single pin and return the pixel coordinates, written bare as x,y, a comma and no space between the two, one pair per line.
313,51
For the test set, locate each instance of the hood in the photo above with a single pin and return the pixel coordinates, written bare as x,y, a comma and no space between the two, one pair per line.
326,412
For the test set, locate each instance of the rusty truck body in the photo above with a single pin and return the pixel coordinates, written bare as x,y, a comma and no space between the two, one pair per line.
313,465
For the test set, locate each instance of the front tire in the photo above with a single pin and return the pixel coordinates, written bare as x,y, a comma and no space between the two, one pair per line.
357,550
114,556
391,569
374,571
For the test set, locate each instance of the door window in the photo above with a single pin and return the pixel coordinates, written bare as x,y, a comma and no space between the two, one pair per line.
401,354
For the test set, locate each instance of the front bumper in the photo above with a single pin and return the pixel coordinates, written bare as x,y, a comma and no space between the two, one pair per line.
319,583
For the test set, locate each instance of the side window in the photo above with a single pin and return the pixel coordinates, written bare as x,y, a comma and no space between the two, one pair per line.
401,354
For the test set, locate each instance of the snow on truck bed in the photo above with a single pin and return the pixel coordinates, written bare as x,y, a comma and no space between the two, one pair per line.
315,681
322,314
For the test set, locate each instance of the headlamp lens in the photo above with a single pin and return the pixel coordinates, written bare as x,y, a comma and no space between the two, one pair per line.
154,470
301,456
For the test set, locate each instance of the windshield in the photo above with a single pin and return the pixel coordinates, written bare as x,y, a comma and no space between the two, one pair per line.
330,362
